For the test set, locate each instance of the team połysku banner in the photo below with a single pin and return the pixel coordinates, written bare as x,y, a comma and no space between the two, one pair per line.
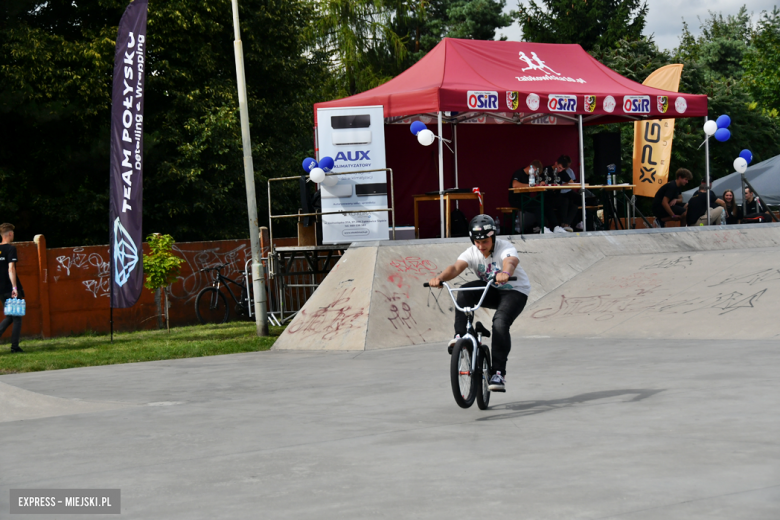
127,157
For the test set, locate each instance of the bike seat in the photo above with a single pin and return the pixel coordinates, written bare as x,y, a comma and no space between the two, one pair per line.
482,330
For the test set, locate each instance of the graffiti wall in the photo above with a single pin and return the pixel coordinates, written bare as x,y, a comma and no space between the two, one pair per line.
67,289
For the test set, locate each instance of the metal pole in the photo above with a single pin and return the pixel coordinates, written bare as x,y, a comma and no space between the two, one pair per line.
441,180
707,171
455,138
582,173
258,277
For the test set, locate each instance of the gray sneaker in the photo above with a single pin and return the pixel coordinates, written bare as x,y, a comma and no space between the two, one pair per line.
497,383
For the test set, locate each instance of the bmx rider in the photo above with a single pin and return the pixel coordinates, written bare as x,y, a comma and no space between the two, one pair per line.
488,256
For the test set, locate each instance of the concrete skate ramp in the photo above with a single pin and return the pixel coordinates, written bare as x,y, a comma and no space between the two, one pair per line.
717,282
17,404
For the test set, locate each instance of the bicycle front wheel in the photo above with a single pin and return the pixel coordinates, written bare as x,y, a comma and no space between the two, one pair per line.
211,306
463,384
482,378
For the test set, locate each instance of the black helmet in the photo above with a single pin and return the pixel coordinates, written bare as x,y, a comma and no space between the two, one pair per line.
482,226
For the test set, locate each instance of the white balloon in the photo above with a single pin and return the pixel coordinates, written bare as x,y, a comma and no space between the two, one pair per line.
740,164
710,127
317,175
426,137
330,181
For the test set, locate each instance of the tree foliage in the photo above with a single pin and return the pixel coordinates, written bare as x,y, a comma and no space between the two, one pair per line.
56,60
588,23
161,267
762,73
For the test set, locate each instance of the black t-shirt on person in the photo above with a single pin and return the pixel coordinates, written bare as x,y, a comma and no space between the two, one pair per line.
8,255
522,177
697,206
671,191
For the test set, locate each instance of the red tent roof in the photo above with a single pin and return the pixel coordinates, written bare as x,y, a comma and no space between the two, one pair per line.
524,78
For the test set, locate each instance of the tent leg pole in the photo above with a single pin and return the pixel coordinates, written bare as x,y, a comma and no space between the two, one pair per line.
441,180
582,173
455,138
707,171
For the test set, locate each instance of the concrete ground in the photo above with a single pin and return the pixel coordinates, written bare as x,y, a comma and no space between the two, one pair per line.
588,429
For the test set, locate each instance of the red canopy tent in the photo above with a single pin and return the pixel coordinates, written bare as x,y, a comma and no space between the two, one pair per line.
542,90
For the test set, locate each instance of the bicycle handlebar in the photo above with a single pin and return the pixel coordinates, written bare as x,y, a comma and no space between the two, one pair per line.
217,267
511,279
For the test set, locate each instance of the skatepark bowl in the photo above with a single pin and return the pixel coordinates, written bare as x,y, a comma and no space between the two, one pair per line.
642,384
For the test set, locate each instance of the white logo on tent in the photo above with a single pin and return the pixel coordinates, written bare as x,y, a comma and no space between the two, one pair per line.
538,65
125,254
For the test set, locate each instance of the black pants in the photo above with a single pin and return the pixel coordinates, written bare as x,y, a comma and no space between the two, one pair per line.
508,305
569,204
8,320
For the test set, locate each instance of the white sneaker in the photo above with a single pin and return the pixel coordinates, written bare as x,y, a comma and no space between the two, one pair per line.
547,230
559,229
579,226
568,229
452,343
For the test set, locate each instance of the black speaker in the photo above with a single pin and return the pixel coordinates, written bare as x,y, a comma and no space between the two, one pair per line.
606,152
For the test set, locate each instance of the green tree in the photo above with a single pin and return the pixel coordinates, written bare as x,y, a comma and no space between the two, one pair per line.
588,23
762,63
161,268
56,60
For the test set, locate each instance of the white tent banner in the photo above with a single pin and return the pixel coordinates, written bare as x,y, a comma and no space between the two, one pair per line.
355,138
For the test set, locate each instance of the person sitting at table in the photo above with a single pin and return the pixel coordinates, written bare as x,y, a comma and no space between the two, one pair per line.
753,208
520,179
667,203
733,211
697,207
569,199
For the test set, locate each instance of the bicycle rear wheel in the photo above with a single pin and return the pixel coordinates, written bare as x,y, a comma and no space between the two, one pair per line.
211,306
482,378
463,384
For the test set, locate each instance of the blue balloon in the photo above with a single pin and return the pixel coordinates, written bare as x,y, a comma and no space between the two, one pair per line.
722,134
309,164
747,155
417,127
723,121
326,163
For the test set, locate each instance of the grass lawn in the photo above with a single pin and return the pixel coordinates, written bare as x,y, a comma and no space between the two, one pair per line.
131,347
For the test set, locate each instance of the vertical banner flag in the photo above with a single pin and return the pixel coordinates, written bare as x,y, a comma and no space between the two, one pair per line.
653,139
127,157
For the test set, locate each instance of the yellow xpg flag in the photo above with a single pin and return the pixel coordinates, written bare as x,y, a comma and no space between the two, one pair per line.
653,139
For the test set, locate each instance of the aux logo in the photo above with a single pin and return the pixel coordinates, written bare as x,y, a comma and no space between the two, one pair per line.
359,156
512,100
562,103
636,104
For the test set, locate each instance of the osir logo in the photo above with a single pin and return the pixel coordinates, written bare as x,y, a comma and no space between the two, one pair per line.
512,100
680,105
482,100
663,104
590,103
562,103
636,104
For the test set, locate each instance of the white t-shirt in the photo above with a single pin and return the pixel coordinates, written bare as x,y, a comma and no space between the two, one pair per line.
484,267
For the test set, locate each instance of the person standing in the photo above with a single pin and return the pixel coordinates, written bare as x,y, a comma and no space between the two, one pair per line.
10,285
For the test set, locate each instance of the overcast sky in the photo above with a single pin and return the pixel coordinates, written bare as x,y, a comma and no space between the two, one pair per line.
665,17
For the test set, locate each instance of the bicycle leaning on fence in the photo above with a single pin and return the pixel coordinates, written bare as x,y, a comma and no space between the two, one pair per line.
211,304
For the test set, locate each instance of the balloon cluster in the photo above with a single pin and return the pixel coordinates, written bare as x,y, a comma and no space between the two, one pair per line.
424,136
317,171
719,128
741,162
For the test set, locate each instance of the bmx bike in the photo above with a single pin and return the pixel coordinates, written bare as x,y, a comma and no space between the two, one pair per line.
470,362
211,305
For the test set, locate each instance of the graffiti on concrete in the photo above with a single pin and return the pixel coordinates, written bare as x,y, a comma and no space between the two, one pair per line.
667,263
329,322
